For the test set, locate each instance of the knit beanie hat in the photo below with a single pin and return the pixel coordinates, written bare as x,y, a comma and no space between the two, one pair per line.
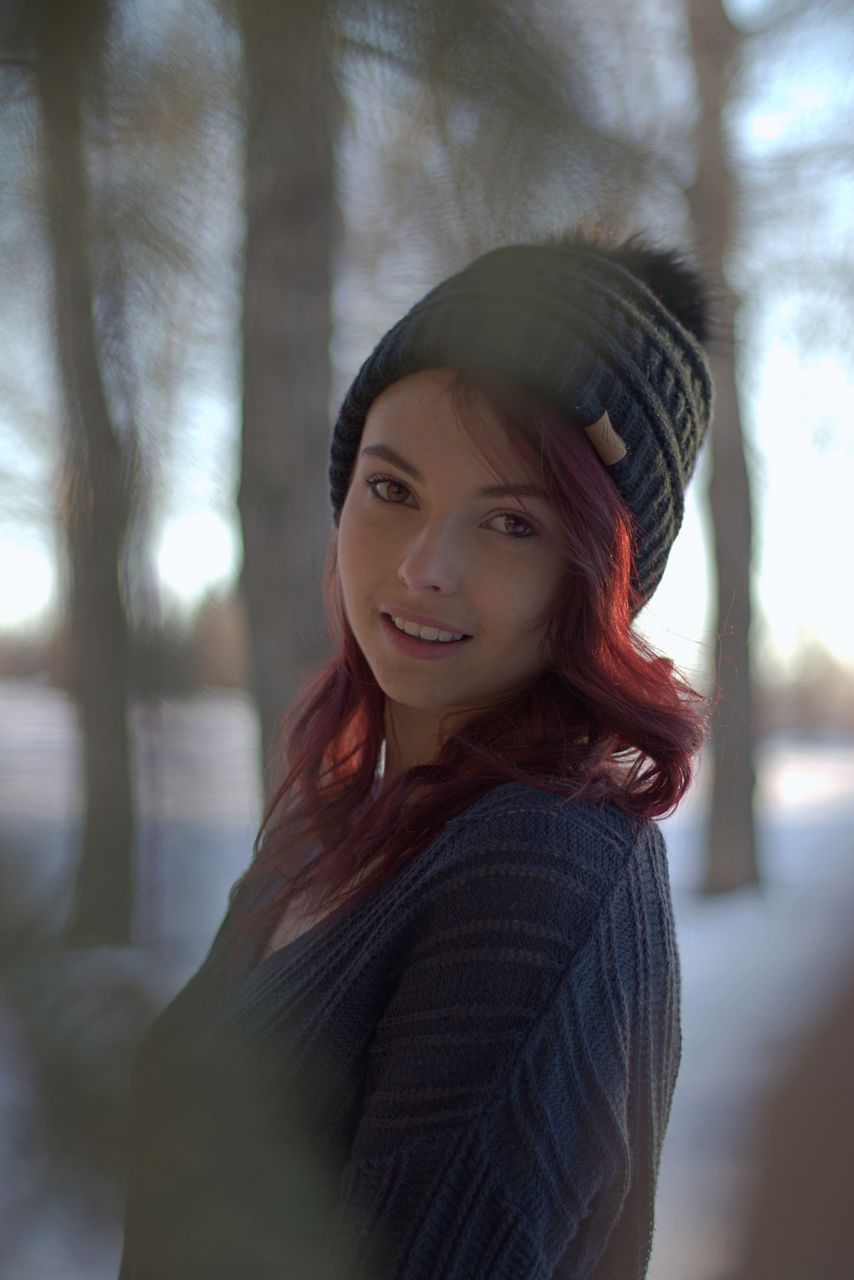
609,337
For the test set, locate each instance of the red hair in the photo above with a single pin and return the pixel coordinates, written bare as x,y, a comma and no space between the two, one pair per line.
611,721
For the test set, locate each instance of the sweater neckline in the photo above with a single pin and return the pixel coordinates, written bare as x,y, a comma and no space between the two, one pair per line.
254,965
258,961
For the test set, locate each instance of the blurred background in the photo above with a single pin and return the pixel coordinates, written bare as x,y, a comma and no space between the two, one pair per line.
210,210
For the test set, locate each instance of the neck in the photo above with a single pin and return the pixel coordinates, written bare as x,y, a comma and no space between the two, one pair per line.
411,738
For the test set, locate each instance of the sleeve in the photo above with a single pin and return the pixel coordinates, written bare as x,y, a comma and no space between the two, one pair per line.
521,1075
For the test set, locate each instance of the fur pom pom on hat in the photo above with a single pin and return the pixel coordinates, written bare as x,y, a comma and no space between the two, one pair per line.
610,337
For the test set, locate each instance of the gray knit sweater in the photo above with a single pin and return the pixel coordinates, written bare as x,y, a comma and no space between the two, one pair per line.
467,1076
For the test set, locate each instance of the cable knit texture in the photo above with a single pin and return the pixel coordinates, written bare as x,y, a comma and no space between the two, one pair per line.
468,1076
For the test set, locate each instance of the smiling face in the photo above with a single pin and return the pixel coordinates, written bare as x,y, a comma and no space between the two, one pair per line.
417,534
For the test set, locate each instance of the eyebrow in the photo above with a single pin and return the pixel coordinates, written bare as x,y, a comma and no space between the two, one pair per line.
491,491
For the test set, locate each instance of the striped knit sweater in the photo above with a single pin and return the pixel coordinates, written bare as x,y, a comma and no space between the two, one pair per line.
467,1076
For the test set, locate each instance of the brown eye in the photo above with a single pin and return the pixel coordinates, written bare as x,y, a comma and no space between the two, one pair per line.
514,515
373,481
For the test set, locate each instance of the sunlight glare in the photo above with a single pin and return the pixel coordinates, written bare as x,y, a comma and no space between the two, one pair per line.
197,550
27,582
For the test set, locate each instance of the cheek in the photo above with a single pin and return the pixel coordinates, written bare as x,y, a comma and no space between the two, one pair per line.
529,607
371,549
346,568
351,539
360,562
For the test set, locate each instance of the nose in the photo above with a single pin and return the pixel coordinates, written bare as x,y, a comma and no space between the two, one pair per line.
431,561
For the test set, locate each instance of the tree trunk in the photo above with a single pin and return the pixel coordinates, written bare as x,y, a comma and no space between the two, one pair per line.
731,855
293,109
94,497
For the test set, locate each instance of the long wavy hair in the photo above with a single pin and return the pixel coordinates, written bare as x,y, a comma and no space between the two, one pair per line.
610,721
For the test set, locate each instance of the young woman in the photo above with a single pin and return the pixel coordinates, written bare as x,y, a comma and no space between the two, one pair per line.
446,993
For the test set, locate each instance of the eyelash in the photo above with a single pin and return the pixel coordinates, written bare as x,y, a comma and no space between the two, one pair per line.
514,515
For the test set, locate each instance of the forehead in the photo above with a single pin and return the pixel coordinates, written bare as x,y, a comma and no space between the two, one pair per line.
420,412
426,393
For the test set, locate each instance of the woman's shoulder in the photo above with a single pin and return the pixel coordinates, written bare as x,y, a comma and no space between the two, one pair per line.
529,876
545,850
531,812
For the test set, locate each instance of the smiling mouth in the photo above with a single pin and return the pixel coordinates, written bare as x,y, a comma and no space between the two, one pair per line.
464,634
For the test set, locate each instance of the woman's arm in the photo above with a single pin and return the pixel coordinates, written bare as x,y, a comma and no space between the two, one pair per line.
520,1080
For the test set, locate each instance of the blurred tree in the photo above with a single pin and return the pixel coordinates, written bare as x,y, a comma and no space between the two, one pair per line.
292,114
731,859
764,228
97,476
119,190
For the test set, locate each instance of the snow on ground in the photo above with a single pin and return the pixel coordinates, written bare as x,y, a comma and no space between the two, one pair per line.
756,965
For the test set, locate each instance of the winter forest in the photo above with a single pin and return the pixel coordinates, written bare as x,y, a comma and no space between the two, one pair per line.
210,211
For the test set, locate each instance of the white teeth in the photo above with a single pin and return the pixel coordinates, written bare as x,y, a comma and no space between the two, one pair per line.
425,633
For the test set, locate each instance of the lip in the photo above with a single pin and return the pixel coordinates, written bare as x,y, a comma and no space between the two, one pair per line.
423,619
412,647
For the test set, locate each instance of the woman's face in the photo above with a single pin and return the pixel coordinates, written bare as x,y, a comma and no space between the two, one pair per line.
432,545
